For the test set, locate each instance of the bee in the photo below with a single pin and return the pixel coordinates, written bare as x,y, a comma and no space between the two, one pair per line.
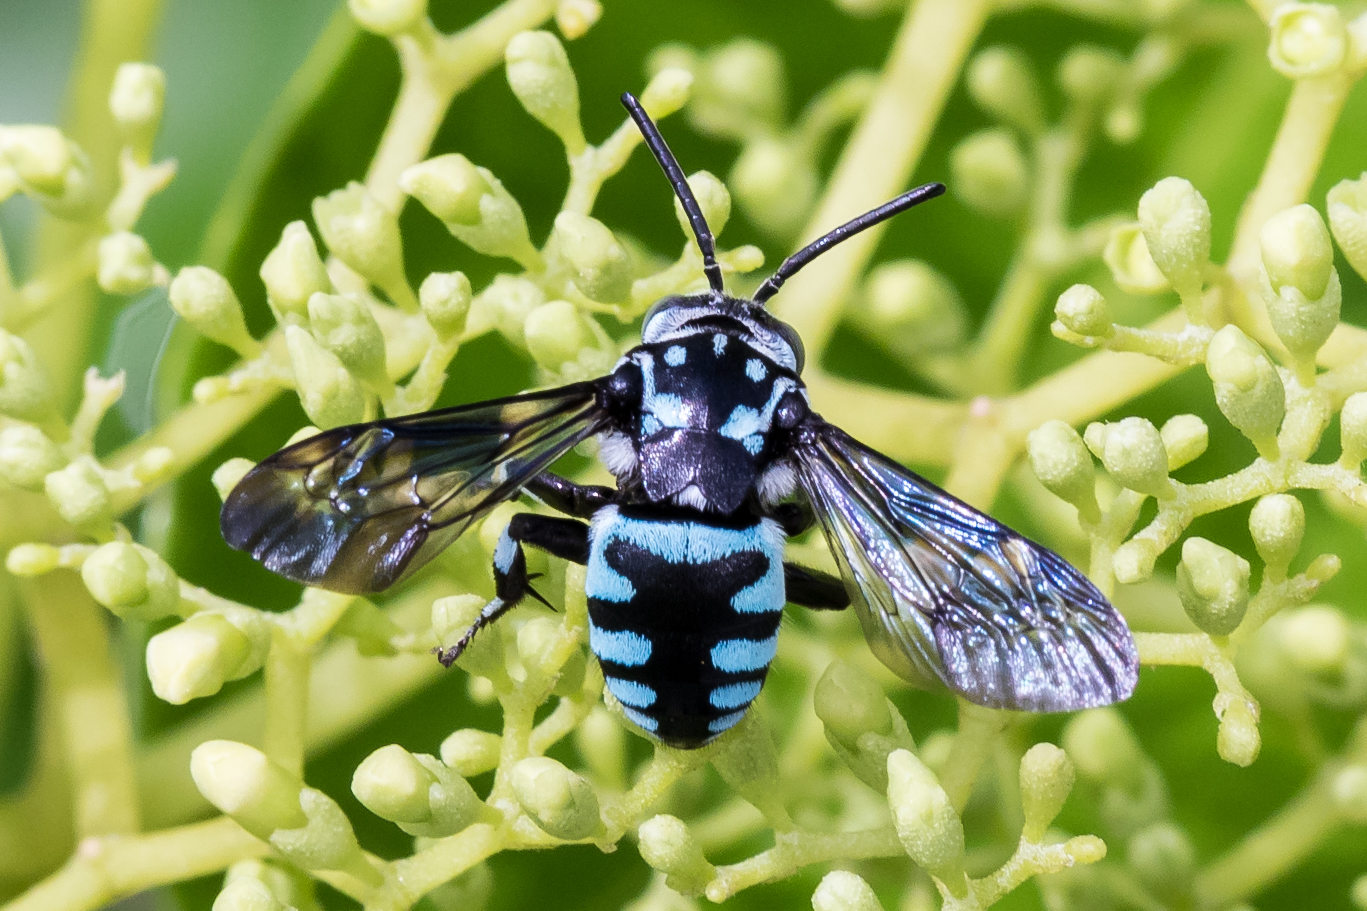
718,458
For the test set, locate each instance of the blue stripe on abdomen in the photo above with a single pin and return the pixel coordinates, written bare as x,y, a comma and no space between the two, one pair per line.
620,646
737,656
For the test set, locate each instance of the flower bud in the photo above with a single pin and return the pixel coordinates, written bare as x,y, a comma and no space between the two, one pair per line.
1132,268
849,704
1133,561
473,204
125,264
1213,585
194,659
27,456
602,269
1248,388
1308,39
560,802
470,752
536,643
1176,224
990,173
540,76
1082,309
1088,74
601,741
452,617
330,395
416,792
867,9
1061,462
1277,523
776,183
1296,251
132,581
556,333
1165,862
1237,740
32,559
1002,82
362,233
1315,638
909,307
667,92
247,894
740,91
1185,437
445,300
1349,790
136,101
1353,430
1104,748
345,326
206,301
666,844
927,825
1046,780
1347,208
841,890
388,17
1133,453
293,272
574,18
243,783
79,494
50,168
25,392
713,198
226,476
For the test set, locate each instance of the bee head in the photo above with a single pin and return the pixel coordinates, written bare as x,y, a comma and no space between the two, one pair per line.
680,316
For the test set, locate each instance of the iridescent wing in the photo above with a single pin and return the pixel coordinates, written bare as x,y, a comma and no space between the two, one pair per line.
356,508
946,593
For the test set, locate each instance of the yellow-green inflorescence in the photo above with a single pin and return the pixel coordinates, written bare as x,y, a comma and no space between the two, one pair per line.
958,817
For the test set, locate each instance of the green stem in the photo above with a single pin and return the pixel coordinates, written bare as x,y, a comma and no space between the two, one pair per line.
978,727
287,693
924,64
414,877
798,850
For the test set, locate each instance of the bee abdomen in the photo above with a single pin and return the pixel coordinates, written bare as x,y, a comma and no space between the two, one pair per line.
684,619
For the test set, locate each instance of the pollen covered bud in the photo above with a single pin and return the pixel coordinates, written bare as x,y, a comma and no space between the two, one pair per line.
364,234
1104,748
226,476
1248,388
556,333
1082,310
540,76
1277,524
27,456
27,560
1175,220
574,18
1127,256
990,173
713,198
1060,460
247,893
470,752
666,845
1213,585
667,92
132,581
206,301
125,264
293,272
1163,858
1133,452
1238,740
452,616
194,659
560,802
473,205
776,182
1299,282
1353,431
926,822
1316,638
445,300
1003,83
1046,780
841,890
79,494
388,17
909,307
136,101
416,792
346,327
328,392
25,391
601,266
850,704
1185,437
1308,39
49,167
1347,208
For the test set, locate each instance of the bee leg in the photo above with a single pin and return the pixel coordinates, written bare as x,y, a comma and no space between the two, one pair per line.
567,539
813,588
579,500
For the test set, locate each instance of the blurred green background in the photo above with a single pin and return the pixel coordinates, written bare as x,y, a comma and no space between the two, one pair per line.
271,103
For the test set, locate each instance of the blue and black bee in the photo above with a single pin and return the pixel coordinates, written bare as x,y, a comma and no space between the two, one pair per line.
718,458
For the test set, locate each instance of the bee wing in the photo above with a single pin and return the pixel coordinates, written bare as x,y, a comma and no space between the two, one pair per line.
946,593
356,508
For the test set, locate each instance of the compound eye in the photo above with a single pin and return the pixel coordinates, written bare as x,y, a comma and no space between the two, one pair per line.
622,390
794,341
792,410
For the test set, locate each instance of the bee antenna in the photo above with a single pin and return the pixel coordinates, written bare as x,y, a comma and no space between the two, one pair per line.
814,249
656,143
